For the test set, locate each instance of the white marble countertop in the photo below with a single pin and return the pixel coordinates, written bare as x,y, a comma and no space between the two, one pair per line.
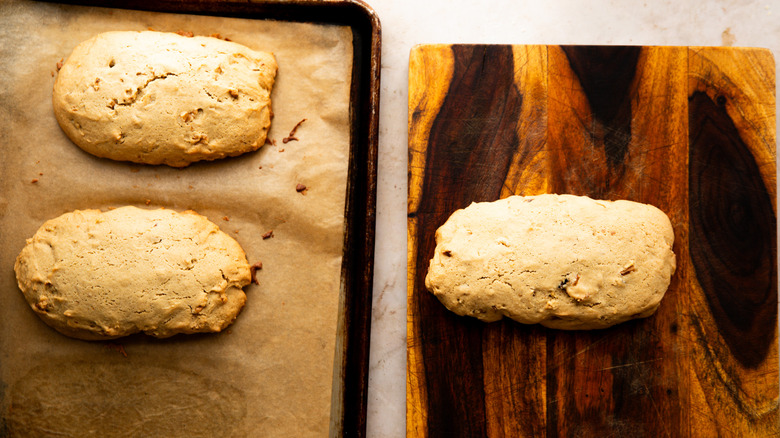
406,23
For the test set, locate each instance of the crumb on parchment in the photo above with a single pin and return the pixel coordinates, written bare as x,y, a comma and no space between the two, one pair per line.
292,136
116,347
253,271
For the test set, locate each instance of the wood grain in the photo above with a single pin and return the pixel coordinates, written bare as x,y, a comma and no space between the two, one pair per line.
617,116
514,400
425,101
477,153
732,229
688,130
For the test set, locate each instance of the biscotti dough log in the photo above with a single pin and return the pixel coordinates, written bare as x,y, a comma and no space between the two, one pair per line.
563,261
162,98
94,275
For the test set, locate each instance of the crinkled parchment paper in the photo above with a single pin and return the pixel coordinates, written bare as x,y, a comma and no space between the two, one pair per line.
272,372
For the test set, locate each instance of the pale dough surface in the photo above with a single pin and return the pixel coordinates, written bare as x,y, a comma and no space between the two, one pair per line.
102,275
282,355
563,261
162,98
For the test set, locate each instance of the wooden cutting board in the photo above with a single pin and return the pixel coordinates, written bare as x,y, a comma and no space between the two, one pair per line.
690,130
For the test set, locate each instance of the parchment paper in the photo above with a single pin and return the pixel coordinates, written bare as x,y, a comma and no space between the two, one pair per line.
272,373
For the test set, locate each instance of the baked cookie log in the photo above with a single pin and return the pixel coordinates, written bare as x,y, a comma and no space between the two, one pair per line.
162,98
563,261
102,275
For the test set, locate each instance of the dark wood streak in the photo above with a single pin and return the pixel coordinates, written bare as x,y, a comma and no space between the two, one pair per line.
472,142
639,381
732,231
551,382
613,380
606,74
608,380
677,373
720,371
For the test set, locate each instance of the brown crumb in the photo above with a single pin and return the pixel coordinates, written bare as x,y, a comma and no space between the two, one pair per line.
253,271
185,33
34,180
233,93
281,150
40,173
116,347
292,136
190,187
225,218
628,269
259,167
148,201
59,64
198,138
42,305
268,235
235,231
52,74
300,188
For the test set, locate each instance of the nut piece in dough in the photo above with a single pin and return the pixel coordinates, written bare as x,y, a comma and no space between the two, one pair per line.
102,275
563,261
162,98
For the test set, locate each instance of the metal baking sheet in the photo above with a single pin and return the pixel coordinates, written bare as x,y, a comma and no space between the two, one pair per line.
295,362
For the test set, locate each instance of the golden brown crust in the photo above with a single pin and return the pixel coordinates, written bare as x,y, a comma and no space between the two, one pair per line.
94,275
162,98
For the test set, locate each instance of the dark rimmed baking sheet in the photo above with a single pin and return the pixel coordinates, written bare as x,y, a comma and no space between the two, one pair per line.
295,362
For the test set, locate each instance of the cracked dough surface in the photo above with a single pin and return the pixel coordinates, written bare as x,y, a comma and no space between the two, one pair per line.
162,98
563,261
102,275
